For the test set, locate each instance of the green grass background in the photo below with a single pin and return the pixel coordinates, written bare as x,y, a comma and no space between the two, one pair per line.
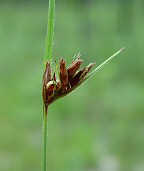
99,127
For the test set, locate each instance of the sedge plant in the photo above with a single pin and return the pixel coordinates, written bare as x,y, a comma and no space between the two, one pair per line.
58,85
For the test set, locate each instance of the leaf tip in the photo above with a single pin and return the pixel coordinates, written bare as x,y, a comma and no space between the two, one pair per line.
122,49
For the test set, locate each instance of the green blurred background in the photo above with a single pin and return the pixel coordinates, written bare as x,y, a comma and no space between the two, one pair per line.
100,126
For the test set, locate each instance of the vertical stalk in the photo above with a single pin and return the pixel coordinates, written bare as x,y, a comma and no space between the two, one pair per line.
50,31
44,154
48,57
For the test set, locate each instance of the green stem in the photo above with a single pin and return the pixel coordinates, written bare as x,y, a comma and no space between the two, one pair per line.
48,57
50,31
45,131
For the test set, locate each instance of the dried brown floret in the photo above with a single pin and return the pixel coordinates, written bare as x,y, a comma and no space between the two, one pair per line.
86,70
46,79
72,69
63,73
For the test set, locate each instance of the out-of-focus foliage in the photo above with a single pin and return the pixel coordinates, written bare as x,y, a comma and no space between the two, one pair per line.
100,126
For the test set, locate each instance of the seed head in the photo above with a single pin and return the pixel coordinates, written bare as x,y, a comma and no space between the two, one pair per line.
69,79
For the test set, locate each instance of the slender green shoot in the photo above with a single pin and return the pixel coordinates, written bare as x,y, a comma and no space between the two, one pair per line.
45,130
48,57
103,64
50,31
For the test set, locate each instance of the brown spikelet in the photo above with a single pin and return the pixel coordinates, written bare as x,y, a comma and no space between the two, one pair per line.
72,69
86,70
63,73
46,79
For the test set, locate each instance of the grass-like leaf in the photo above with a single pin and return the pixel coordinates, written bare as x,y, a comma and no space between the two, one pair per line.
103,64
50,31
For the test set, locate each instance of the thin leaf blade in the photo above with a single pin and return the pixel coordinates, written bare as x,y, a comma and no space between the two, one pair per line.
103,64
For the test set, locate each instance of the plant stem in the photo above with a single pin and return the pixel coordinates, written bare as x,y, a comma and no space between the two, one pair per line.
45,131
48,57
50,31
